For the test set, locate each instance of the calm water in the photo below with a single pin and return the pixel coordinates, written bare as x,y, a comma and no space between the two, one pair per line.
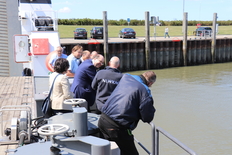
194,104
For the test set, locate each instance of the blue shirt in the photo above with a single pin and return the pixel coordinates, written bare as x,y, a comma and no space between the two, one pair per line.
54,57
73,63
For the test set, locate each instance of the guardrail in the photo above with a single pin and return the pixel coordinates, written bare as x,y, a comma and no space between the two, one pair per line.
155,141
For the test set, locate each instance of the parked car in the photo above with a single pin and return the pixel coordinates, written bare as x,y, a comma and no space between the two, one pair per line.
158,24
80,33
203,31
127,33
96,32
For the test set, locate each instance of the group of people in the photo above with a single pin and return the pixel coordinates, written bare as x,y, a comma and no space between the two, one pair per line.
121,99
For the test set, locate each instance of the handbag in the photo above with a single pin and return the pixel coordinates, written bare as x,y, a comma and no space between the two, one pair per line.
47,103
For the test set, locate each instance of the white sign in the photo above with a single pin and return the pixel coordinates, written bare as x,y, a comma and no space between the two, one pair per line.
21,48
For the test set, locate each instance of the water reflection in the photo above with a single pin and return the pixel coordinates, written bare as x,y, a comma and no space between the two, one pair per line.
194,104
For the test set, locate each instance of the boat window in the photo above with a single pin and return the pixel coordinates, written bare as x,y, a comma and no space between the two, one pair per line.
36,1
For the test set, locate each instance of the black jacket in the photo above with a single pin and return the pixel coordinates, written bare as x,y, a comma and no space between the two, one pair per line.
104,83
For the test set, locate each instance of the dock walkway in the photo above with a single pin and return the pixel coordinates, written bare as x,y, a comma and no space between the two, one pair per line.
15,91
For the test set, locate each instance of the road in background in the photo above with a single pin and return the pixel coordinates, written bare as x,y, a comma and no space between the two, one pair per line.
138,39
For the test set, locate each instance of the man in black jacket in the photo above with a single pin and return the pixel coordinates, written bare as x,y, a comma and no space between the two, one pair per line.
105,81
130,101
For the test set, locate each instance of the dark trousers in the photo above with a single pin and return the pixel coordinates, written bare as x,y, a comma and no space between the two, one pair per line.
119,134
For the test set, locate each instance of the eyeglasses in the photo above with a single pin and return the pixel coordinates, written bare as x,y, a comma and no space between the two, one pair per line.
102,63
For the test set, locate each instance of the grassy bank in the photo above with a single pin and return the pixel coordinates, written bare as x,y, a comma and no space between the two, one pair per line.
66,31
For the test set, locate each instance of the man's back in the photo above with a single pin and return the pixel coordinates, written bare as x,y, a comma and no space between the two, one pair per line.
83,78
105,82
130,101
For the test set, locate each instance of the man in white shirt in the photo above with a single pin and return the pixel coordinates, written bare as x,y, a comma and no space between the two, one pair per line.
74,60
166,33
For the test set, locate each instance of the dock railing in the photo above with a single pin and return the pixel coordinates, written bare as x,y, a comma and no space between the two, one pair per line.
155,141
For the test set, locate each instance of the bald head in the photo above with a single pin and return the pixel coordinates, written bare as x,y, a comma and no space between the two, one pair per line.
93,54
114,62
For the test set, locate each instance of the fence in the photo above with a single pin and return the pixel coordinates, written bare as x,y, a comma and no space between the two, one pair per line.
163,54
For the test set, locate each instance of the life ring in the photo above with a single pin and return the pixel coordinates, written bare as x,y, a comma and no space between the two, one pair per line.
47,61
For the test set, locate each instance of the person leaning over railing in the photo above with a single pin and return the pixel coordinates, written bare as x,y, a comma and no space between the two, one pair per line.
130,101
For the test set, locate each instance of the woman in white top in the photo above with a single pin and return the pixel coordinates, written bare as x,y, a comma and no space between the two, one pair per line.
61,88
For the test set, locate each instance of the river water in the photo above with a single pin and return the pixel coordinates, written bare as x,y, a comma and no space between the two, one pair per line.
193,104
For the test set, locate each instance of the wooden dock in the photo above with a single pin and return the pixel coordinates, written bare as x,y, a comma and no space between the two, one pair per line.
15,91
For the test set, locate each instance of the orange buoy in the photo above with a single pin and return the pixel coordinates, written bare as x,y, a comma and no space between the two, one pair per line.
47,60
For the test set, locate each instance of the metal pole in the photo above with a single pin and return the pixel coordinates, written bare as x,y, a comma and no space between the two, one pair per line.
213,45
185,21
105,35
147,41
154,141
145,149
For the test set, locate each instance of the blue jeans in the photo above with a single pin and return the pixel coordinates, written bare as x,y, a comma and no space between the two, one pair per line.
166,34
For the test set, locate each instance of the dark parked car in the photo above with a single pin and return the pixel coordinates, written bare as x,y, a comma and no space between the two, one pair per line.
203,31
158,24
127,33
96,32
80,33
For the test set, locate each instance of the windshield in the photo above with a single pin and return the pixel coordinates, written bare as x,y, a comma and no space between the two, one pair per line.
129,29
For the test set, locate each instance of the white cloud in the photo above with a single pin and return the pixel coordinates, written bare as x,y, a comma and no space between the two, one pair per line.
65,10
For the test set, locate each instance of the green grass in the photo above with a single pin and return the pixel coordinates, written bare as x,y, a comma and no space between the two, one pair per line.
66,31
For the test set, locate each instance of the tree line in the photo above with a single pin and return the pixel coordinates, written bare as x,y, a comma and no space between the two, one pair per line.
135,22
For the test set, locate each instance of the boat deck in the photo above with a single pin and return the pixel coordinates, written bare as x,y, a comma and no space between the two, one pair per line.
15,91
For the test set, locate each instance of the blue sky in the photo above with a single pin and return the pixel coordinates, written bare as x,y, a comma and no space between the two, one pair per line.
135,9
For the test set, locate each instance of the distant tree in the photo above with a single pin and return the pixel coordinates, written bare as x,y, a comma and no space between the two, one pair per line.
135,22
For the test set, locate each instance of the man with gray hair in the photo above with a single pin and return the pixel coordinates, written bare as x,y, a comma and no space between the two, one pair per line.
58,54
105,81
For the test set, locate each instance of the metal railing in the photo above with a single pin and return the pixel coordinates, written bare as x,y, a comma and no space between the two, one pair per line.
155,141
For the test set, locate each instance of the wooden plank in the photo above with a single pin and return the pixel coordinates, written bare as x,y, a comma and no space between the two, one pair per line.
15,91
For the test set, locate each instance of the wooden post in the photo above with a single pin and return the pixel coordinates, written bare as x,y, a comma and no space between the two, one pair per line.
213,45
185,23
147,41
105,35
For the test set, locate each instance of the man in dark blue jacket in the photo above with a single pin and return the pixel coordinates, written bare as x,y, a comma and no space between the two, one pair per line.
81,86
105,81
130,101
